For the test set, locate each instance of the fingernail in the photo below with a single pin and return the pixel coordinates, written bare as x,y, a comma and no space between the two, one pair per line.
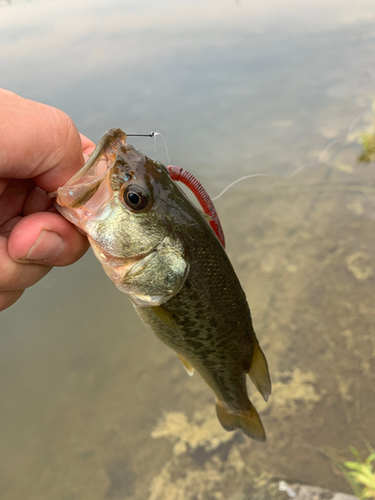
48,246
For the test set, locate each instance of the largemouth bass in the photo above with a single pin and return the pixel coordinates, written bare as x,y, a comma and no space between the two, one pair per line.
159,249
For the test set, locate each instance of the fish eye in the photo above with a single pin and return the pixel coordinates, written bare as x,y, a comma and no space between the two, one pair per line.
136,197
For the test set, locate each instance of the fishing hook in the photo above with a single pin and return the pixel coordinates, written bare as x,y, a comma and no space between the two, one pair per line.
182,175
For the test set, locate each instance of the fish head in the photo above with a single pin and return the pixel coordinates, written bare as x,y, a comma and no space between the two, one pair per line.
125,202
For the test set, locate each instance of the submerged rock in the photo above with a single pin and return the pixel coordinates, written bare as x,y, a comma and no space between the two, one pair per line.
303,492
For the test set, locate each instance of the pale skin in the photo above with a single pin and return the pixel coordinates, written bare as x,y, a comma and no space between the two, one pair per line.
40,149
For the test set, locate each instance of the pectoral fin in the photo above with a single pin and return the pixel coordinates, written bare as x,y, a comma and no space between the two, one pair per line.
167,319
186,365
158,276
259,372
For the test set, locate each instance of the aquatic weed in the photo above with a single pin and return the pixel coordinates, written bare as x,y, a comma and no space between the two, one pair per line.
359,474
368,145
367,140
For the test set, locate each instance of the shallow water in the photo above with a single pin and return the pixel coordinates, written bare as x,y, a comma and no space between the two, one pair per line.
93,406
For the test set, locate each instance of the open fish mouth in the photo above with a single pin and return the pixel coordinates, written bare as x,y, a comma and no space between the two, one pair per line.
88,194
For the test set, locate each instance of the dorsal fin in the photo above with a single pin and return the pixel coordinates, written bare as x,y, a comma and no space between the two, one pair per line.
206,216
259,372
186,365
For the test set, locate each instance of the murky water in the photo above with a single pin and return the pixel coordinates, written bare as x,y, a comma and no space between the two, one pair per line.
93,406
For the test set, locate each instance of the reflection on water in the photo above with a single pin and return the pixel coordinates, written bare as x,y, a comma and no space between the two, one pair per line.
93,405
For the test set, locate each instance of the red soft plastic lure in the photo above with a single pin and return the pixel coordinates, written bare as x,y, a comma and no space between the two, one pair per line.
179,174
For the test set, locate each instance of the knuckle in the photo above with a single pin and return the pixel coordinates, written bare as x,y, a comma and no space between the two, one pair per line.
69,131
66,137
10,275
15,276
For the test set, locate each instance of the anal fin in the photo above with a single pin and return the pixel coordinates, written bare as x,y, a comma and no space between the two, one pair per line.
248,421
186,365
259,372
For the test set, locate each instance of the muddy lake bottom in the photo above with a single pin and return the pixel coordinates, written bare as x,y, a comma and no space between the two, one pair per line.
99,408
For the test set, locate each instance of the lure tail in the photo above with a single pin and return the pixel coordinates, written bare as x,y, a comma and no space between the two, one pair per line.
179,174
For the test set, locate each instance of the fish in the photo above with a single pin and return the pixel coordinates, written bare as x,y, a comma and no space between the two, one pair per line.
160,250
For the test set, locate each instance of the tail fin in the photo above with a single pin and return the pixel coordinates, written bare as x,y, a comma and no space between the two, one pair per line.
259,372
248,421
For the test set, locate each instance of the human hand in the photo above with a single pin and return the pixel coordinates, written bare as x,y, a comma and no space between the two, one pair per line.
40,149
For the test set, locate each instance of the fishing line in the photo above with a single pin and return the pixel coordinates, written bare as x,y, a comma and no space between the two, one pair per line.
289,176
153,134
261,174
165,145
302,167
354,123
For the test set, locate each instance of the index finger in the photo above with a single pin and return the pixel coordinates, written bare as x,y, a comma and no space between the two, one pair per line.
38,141
87,145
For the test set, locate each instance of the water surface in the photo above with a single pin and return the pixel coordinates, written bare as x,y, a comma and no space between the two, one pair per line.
93,406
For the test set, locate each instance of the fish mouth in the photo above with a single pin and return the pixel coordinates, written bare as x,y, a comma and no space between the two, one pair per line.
90,186
86,203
